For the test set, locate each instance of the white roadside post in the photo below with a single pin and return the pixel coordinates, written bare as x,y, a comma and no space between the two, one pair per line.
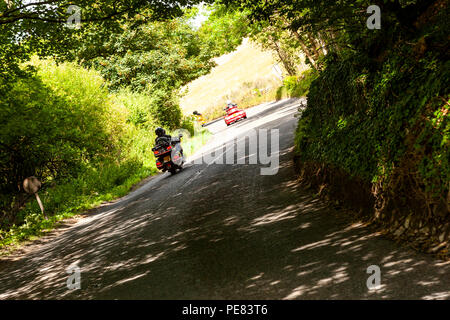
277,71
31,185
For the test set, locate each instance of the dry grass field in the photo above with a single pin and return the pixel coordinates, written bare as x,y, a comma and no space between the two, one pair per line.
246,72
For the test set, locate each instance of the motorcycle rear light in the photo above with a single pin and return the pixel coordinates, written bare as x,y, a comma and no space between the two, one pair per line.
169,147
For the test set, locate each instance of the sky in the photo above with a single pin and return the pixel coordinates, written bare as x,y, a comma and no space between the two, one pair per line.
201,17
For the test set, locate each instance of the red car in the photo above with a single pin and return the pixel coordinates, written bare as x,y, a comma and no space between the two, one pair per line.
234,115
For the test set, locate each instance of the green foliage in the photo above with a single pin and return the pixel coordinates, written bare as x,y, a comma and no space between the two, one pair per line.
290,83
378,107
51,119
150,109
381,125
68,198
55,124
188,123
37,27
151,60
297,86
224,30
166,108
85,144
281,93
150,56
273,35
139,106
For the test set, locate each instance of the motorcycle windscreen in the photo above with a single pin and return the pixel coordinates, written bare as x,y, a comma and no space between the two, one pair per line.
177,158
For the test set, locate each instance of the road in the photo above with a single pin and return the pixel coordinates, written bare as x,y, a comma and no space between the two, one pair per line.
224,231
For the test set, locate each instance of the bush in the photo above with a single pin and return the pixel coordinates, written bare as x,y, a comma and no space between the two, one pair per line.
85,144
297,86
61,124
290,83
53,122
188,124
165,108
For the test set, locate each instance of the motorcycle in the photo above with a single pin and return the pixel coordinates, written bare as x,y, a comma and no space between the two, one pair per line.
169,154
199,118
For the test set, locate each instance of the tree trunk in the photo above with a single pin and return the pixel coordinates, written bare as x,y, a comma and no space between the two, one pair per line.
323,44
305,49
284,58
313,45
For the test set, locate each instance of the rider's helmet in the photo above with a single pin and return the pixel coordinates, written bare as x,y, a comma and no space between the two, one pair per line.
160,132
229,105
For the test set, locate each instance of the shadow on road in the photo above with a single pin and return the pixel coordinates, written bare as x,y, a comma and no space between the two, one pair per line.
229,234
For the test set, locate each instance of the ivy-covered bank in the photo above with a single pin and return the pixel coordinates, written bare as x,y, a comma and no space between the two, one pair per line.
376,134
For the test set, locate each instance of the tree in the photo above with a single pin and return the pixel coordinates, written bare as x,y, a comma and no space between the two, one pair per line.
271,35
39,27
340,25
152,55
225,28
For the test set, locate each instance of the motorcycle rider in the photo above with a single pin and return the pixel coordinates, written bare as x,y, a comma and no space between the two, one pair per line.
199,117
230,105
163,138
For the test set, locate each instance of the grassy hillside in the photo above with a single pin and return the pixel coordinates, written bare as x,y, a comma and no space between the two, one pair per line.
248,70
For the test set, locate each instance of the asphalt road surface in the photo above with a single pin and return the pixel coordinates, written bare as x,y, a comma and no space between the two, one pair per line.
223,231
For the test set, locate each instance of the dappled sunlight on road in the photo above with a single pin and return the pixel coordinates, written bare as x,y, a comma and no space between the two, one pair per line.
287,213
227,233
